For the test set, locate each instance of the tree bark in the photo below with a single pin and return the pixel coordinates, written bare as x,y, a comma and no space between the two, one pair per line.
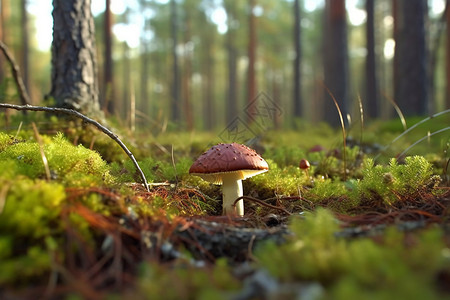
108,84
208,84
411,92
371,97
231,105
175,106
74,61
251,74
187,106
336,60
25,61
297,62
447,58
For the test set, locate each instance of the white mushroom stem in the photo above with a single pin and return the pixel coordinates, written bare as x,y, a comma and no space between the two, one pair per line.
232,189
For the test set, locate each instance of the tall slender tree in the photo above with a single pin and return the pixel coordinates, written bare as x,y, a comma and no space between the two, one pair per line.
188,8
447,58
108,85
252,45
3,17
410,57
297,99
25,47
371,96
232,51
175,103
74,61
336,60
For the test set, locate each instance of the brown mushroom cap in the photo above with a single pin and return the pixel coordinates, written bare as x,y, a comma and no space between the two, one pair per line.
304,164
228,158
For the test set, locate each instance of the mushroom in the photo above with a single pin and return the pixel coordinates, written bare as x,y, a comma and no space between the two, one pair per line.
304,165
228,165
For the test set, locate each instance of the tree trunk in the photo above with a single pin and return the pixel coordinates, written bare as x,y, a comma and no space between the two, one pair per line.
336,60
447,58
297,62
371,97
145,99
208,84
231,105
124,106
108,84
187,107
3,16
411,57
251,76
175,107
25,48
74,61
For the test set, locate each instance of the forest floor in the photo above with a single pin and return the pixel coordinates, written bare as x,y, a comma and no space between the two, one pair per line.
368,220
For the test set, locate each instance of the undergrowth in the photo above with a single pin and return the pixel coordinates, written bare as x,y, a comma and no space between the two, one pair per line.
91,217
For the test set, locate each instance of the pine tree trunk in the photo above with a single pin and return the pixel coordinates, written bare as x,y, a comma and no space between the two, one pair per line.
297,62
231,105
336,60
108,85
447,59
74,61
251,76
25,48
371,97
411,57
175,106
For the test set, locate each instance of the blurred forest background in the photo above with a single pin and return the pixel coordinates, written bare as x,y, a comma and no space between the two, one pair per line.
198,64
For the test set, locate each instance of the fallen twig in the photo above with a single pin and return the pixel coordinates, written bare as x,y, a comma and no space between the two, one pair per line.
79,115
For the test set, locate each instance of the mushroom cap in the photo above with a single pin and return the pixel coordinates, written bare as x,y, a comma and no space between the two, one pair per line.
228,159
304,164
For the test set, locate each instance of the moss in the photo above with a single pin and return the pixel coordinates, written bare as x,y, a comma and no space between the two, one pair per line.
29,218
68,164
187,282
359,268
387,183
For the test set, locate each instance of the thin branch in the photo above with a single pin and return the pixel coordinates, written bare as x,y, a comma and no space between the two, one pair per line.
24,97
79,115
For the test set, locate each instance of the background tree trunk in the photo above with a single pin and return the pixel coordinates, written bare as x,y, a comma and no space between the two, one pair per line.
251,75
175,106
231,105
371,97
108,84
187,74
74,61
297,62
447,58
411,57
25,52
336,60
3,17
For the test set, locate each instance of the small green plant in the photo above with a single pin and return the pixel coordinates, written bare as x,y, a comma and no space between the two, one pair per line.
387,184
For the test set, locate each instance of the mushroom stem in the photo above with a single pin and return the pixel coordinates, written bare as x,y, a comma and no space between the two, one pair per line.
232,189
